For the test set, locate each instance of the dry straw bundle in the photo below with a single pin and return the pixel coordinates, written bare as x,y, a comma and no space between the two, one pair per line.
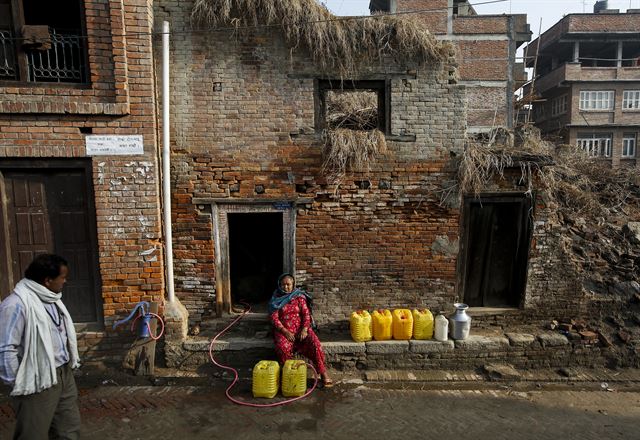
357,110
337,45
351,150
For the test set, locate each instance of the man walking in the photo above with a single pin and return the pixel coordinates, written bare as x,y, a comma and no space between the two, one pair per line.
38,350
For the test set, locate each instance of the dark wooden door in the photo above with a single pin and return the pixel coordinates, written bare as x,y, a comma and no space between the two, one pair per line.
498,233
49,211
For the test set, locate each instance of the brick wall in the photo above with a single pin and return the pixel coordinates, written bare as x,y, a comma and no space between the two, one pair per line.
483,48
240,106
38,121
434,13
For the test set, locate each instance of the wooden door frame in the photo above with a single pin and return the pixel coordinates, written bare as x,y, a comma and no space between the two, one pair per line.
463,255
7,283
220,209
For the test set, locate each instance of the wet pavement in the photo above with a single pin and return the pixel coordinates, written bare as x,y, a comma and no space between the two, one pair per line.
473,410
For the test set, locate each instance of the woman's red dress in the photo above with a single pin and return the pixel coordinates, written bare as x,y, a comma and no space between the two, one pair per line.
294,316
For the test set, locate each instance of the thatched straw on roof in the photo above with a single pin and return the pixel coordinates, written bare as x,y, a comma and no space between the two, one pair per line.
339,44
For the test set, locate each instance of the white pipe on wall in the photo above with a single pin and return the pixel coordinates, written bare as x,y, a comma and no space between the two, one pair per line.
166,162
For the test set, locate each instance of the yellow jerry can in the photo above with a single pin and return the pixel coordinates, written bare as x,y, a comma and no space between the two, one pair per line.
381,322
360,325
266,379
422,324
402,324
294,378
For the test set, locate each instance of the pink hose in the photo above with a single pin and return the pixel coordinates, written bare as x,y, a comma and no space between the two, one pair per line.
159,335
235,373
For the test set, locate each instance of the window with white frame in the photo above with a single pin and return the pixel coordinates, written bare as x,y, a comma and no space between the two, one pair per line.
596,100
631,100
559,105
595,144
629,146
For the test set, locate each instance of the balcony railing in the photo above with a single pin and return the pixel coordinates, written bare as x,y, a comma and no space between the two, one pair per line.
7,55
63,62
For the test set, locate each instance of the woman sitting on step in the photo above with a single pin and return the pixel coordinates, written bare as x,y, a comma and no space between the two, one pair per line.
291,319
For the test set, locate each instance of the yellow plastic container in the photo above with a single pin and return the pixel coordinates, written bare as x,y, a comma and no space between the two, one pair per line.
266,379
360,325
422,324
402,324
381,323
294,378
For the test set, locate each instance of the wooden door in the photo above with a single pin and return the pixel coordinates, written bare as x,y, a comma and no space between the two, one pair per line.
50,210
498,234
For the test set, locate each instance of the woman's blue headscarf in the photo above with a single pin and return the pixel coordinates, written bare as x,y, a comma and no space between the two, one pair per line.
280,298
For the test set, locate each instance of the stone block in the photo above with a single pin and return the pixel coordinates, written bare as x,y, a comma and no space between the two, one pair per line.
552,339
501,371
231,344
483,343
343,347
387,347
520,339
418,346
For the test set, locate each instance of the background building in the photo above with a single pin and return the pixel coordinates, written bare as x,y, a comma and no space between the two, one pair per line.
586,90
486,46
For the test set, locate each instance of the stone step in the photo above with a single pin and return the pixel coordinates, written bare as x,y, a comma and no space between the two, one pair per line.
545,350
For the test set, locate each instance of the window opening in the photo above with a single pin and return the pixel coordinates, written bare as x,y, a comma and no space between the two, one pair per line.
559,105
46,43
595,144
596,100
631,100
354,119
629,146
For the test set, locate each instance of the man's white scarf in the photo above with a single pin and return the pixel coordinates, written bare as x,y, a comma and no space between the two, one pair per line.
37,370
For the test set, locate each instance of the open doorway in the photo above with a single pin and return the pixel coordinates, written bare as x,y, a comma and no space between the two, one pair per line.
255,256
497,238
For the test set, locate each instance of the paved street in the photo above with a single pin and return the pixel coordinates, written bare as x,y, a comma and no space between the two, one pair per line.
360,411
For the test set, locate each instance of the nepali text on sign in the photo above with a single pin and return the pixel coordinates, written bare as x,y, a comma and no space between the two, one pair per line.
107,145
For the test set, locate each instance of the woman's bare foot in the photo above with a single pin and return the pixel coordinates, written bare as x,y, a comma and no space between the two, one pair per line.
327,382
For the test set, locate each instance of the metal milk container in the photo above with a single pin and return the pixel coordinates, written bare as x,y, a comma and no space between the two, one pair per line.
460,322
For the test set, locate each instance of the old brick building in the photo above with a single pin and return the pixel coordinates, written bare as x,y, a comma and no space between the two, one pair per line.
251,198
78,161
250,107
486,51
587,87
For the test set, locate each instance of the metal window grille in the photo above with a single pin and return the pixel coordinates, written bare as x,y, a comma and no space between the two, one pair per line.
7,55
63,62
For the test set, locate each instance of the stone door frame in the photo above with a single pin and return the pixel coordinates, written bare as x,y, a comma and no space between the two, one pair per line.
220,222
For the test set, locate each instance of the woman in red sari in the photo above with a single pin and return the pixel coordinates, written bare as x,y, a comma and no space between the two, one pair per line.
291,321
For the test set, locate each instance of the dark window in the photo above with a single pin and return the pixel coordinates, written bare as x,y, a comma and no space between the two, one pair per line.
42,41
355,105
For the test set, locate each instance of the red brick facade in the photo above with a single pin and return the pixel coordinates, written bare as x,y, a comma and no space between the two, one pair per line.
40,122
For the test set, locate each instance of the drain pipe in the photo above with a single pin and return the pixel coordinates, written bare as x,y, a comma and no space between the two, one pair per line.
166,162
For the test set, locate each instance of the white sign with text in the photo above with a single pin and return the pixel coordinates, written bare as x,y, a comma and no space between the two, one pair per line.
108,145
